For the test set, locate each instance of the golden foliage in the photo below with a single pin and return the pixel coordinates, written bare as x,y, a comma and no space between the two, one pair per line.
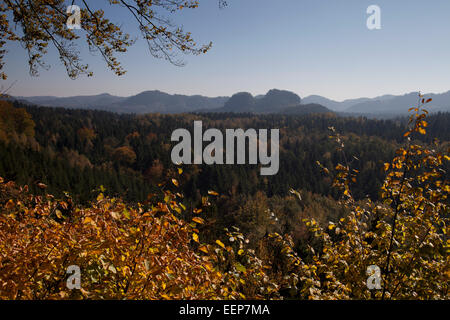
406,235
14,122
123,252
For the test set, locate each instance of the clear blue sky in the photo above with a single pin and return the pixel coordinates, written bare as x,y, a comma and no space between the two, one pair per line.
307,46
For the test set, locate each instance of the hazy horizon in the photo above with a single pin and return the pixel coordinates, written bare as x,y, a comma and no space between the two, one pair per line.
210,96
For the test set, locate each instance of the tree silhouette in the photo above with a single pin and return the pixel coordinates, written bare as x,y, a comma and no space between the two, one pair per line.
44,22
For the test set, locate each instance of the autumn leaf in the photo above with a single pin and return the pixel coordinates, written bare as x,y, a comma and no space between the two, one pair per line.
220,243
209,267
240,267
213,193
88,220
203,249
198,220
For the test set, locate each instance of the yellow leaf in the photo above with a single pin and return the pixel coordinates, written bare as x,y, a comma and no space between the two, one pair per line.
240,267
59,214
241,252
175,182
213,193
198,220
180,171
195,237
220,243
203,249
87,220
208,266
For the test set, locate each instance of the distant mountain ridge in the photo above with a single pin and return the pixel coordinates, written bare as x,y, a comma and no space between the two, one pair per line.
99,101
331,104
144,102
274,101
157,101
401,104
386,104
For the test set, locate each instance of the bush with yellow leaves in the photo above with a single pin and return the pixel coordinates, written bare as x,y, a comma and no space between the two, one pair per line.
405,236
124,252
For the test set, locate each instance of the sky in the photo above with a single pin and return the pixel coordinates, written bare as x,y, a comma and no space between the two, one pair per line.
310,47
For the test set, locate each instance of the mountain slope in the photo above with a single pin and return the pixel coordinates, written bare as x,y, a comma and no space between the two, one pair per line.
274,101
100,101
332,104
306,109
401,104
386,104
157,101
144,102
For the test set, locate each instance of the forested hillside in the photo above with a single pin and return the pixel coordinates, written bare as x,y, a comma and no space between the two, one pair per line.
79,151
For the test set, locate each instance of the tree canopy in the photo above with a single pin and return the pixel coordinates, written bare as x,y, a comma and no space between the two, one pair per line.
36,24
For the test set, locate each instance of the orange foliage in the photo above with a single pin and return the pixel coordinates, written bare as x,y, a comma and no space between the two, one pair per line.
123,252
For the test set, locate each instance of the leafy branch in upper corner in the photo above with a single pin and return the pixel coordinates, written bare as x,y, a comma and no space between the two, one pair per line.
37,23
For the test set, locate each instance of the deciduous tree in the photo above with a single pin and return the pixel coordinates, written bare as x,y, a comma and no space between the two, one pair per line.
36,24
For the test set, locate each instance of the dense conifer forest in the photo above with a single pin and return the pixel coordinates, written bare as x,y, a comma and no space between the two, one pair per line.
75,153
